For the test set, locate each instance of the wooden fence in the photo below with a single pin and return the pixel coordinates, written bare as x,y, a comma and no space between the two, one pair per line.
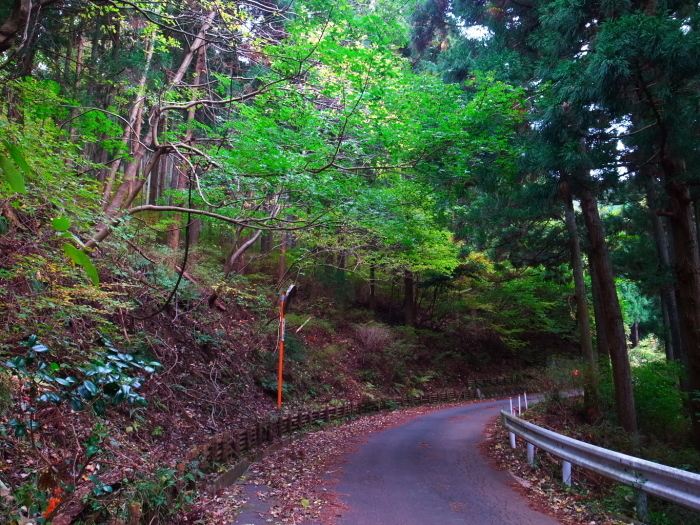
231,445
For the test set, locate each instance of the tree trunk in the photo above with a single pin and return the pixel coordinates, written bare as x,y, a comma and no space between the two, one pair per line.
154,183
14,23
266,243
75,112
194,231
582,317
127,187
135,117
237,253
341,293
634,334
179,183
373,287
282,266
611,311
409,304
173,237
669,306
688,271
105,229
600,329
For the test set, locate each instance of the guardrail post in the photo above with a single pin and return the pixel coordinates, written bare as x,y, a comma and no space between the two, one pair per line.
642,508
512,439
530,454
669,483
566,472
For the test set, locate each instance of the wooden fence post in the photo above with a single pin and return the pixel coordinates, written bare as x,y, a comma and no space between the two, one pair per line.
250,432
237,444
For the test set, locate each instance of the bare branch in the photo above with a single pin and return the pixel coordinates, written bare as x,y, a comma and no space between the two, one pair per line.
637,131
252,222
210,102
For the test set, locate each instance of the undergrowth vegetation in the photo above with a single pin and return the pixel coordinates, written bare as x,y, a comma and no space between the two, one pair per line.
661,409
664,436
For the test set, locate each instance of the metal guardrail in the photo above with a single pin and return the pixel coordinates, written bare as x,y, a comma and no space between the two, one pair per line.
659,480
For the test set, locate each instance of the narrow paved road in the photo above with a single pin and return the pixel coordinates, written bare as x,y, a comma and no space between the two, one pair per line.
430,471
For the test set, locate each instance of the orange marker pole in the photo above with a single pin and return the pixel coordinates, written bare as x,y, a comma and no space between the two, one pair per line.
281,349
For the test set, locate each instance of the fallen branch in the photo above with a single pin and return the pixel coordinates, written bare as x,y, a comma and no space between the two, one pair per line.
214,300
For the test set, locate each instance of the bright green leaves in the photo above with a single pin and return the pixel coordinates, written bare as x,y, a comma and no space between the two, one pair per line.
60,224
17,157
359,107
15,167
81,258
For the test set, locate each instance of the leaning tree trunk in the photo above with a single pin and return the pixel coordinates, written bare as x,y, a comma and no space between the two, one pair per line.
129,186
135,118
582,317
237,253
611,311
15,23
18,19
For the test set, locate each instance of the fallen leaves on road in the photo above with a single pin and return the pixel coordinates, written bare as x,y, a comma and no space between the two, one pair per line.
294,485
295,481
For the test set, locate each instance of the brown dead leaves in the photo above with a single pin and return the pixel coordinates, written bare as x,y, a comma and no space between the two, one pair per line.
542,483
293,484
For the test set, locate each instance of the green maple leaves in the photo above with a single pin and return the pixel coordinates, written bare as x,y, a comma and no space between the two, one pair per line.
16,169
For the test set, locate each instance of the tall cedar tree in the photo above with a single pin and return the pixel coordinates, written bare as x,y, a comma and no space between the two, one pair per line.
636,64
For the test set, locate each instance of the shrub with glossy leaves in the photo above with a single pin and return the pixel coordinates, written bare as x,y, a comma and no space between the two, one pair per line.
105,380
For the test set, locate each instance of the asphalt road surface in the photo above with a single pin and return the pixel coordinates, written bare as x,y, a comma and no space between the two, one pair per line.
429,471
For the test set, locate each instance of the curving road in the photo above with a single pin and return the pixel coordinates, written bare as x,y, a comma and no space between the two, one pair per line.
430,471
